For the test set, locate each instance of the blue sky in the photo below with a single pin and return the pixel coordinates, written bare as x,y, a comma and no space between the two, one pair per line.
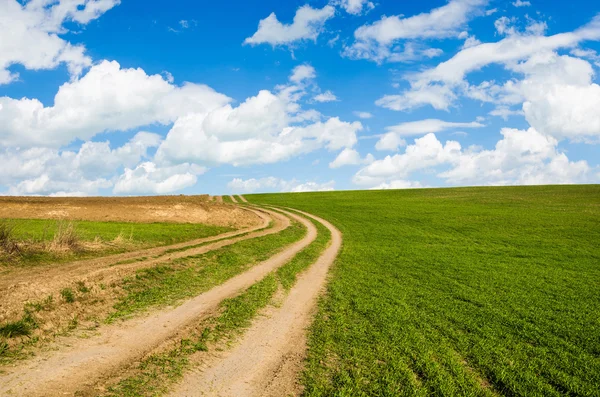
103,97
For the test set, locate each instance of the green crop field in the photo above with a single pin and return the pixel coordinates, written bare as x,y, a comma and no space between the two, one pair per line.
116,237
458,292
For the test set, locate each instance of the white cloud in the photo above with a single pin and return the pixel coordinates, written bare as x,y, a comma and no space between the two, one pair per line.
505,112
363,115
261,130
302,73
437,95
426,152
326,96
107,98
513,48
521,157
398,184
393,139
29,34
423,127
521,3
560,98
307,25
376,41
148,178
390,142
272,184
356,7
47,171
436,86
350,157
588,54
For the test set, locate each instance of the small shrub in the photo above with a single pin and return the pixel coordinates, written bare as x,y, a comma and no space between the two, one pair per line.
81,287
15,328
66,237
68,295
3,347
8,243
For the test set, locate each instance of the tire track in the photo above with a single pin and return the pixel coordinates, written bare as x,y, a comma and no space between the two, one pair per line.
269,358
39,283
233,199
86,363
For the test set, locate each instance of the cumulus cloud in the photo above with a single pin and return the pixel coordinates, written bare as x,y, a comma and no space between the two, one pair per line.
29,34
560,98
92,167
398,184
393,139
326,96
267,128
302,72
356,7
107,98
350,157
148,178
272,184
521,157
376,41
307,25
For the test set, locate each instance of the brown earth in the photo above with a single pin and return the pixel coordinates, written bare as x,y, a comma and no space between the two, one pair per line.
178,209
79,365
104,287
269,358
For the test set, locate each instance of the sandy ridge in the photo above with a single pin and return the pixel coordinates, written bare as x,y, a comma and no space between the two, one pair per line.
269,358
86,362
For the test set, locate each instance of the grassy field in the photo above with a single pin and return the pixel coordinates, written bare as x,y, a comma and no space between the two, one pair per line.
470,292
34,234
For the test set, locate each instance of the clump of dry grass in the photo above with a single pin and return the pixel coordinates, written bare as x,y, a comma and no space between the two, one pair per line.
8,243
65,238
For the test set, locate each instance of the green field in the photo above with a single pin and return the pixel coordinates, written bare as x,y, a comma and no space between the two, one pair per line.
116,237
458,292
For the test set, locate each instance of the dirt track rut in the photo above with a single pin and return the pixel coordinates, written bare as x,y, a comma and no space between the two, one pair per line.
15,289
84,363
269,357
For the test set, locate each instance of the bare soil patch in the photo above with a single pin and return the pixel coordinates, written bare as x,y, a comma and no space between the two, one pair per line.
179,209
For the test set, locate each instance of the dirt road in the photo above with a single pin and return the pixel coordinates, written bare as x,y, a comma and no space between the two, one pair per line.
83,363
268,359
35,284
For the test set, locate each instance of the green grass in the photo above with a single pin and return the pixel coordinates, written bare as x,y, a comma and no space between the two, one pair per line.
38,230
136,235
160,370
470,292
186,277
227,199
